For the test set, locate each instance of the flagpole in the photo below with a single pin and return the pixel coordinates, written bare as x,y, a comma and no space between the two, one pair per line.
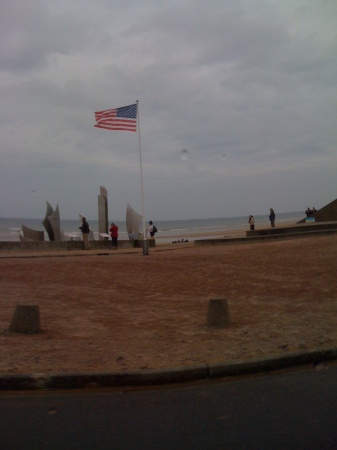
145,243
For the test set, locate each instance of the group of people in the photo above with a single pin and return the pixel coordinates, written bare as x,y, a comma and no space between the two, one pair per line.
86,230
310,212
251,220
151,229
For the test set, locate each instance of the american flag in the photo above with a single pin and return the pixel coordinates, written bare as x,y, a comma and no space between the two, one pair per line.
124,118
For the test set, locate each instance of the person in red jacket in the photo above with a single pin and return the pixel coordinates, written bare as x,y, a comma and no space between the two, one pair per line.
114,235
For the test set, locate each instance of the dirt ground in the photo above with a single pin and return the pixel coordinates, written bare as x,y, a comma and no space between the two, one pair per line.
124,311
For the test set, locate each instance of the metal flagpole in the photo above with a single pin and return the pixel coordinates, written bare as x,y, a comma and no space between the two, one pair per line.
145,242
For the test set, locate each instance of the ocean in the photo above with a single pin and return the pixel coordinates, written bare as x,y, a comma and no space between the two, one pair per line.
10,228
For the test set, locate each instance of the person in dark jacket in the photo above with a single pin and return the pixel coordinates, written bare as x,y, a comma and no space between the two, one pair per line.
308,212
272,217
251,222
152,229
85,233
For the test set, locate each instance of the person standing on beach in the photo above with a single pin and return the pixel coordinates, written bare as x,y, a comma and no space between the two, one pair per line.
272,217
308,212
152,229
251,222
85,233
114,235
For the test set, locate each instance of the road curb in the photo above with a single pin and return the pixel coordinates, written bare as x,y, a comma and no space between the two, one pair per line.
40,381
273,363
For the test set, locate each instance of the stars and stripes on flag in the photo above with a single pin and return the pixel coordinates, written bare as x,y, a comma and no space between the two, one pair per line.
124,118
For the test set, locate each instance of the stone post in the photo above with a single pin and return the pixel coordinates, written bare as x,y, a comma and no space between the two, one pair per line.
218,313
26,319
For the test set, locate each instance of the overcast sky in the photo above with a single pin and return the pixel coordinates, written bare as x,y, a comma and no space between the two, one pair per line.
246,88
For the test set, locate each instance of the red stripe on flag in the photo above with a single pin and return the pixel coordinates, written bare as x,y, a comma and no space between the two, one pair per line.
109,120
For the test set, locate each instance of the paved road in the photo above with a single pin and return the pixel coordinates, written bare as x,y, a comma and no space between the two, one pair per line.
293,410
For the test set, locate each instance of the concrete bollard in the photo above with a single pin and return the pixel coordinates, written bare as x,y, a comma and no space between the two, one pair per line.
218,313
145,247
26,319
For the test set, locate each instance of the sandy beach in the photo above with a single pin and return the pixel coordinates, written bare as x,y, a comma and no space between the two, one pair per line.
163,240
225,233
126,311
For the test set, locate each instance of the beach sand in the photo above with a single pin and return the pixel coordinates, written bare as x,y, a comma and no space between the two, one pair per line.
234,233
125,311
161,240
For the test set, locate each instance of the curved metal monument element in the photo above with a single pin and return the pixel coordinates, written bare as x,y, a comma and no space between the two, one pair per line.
46,222
133,223
30,235
52,223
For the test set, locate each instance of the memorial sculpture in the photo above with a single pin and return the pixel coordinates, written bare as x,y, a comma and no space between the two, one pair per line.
51,223
103,222
30,235
133,223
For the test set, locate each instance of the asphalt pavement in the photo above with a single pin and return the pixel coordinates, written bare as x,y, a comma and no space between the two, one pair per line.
293,410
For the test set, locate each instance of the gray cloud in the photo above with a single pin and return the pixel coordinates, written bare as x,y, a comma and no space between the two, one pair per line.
253,81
